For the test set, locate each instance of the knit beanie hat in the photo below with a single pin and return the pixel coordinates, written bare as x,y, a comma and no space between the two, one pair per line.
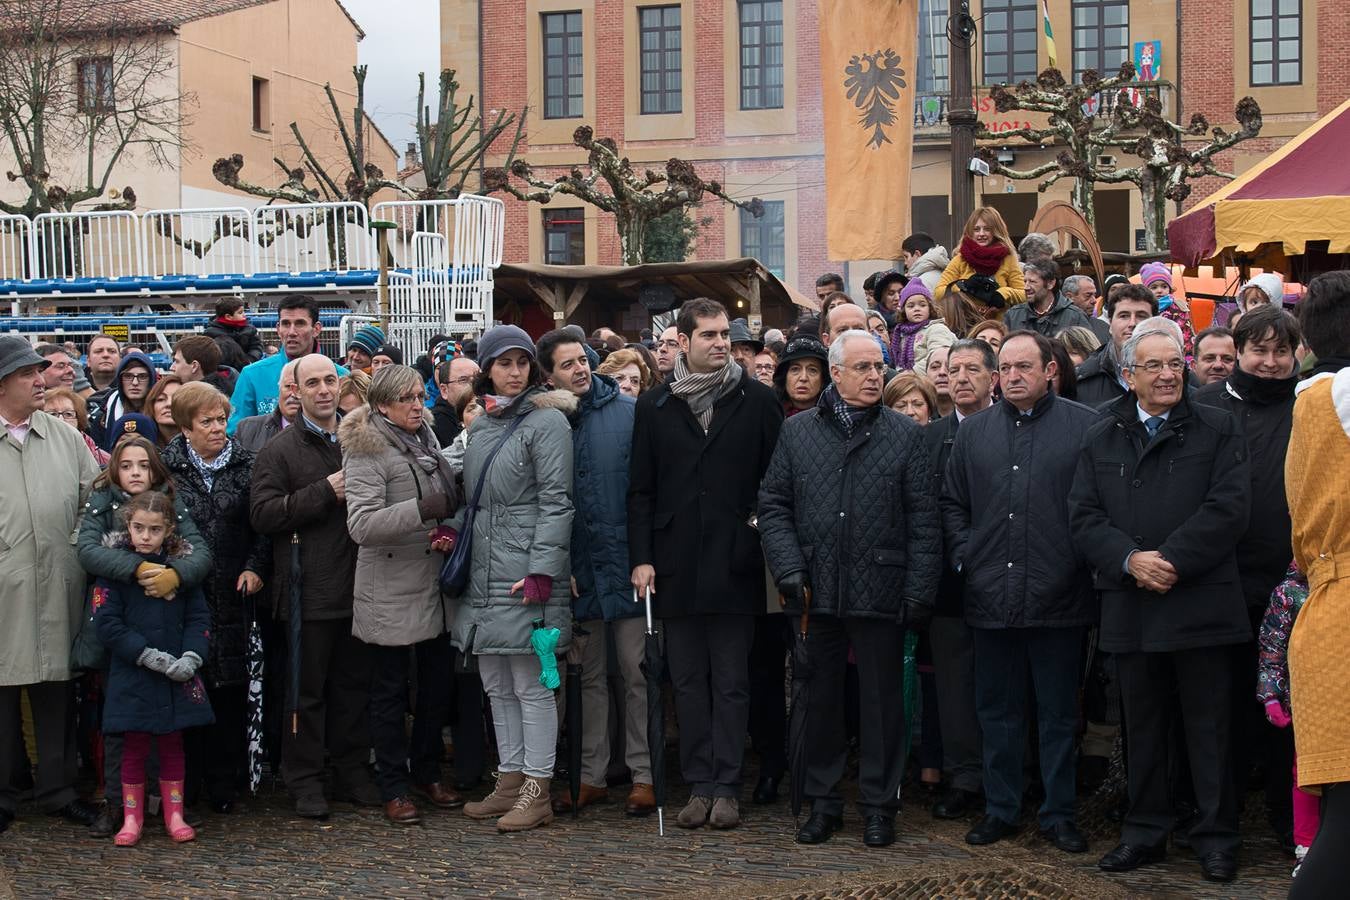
1270,284
1155,271
915,287
368,338
394,353
500,338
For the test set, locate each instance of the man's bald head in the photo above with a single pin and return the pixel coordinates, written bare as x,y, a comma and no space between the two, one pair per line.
308,365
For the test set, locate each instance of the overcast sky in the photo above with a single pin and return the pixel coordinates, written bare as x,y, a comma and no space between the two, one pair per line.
402,39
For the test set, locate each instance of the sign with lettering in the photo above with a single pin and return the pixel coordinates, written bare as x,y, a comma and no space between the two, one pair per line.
119,333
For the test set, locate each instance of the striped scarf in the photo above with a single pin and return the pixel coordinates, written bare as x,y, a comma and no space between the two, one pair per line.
701,390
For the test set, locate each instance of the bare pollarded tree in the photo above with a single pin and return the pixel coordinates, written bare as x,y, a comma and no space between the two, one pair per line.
635,199
83,86
1170,154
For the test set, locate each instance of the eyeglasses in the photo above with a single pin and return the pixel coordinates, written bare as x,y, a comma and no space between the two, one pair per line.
67,414
1155,366
419,397
864,368
765,367
135,377
463,379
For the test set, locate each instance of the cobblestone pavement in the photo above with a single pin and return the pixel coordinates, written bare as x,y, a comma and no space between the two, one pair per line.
603,855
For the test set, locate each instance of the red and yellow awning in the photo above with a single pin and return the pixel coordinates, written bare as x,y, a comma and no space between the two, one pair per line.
1300,193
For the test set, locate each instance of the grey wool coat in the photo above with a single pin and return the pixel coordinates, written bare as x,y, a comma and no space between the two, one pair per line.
523,525
397,600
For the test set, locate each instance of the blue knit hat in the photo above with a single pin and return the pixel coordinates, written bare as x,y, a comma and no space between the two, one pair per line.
137,424
368,338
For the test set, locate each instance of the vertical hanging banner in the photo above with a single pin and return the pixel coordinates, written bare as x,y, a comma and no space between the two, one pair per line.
868,67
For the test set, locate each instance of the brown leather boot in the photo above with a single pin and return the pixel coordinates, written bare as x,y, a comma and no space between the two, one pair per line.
532,808
501,800
589,794
641,800
440,795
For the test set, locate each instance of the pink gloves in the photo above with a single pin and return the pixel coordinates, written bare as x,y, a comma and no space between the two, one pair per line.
1276,715
538,588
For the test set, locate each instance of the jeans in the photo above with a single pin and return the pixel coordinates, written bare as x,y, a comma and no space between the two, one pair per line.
524,713
1003,658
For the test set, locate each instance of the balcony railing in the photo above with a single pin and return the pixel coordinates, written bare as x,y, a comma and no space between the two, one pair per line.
930,110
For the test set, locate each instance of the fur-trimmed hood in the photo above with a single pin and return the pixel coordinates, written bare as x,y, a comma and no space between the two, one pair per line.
175,547
537,398
358,436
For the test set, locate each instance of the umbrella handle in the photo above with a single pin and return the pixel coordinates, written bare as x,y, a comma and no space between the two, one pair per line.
651,629
806,612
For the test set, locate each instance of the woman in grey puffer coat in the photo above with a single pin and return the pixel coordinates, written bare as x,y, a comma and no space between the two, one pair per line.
521,569
398,489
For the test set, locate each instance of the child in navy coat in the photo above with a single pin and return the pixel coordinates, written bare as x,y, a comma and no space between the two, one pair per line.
157,645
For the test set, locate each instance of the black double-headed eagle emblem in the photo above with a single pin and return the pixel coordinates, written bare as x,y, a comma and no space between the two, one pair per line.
874,81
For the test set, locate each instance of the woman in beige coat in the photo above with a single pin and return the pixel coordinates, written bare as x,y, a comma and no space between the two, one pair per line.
398,489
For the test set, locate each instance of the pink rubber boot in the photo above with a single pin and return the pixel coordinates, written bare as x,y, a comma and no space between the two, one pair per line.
171,795
133,815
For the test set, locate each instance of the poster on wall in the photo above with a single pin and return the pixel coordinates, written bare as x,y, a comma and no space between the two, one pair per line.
1147,60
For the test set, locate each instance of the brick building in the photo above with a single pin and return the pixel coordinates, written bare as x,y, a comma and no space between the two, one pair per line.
734,86
754,127
1291,56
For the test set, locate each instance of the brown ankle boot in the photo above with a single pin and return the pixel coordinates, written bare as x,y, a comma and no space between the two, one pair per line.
531,809
501,800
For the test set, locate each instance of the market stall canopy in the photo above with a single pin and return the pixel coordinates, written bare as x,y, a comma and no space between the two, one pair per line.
740,284
1300,193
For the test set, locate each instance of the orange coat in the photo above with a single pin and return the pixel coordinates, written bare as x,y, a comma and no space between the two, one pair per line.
1319,667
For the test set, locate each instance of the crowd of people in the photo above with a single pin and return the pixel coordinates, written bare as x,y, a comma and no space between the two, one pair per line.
1093,527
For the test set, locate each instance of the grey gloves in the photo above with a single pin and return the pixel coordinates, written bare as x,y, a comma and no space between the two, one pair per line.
155,660
177,668
184,667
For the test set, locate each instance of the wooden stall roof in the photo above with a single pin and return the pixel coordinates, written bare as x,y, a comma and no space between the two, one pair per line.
563,288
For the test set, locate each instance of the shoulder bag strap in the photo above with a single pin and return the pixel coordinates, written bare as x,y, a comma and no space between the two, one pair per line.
487,463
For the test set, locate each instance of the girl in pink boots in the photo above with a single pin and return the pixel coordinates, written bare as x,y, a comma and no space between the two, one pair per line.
157,645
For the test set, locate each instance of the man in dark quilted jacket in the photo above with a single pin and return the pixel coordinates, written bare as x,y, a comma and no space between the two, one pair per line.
850,526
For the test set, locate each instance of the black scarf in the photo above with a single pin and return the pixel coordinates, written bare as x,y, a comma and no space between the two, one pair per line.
847,416
1262,391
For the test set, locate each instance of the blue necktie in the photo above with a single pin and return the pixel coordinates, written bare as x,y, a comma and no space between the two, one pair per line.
1153,423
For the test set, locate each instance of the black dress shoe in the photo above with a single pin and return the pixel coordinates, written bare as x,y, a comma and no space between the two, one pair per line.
955,804
766,790
1127,857
818,828
78,812
879,831
1218,866
109,821
988,830
1066,836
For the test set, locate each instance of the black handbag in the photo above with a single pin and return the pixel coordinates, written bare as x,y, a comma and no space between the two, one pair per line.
88,653
455,570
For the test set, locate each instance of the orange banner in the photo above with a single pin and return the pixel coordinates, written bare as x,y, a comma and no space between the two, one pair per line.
868,67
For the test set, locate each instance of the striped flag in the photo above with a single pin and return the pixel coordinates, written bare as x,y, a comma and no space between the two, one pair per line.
1049,32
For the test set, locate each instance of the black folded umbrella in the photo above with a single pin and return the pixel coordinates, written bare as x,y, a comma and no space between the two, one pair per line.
293,698
653,668
574,727
255,695
802,672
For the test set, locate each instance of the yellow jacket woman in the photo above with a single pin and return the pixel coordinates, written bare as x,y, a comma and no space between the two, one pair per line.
985,268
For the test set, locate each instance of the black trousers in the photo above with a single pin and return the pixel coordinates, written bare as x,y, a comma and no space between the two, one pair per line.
768,702
217,754
466,720
52,703
954,669
1202,680
395,752
708,657
334,690
878,647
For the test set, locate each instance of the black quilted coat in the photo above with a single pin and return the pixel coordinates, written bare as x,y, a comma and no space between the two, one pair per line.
857,513
221,514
